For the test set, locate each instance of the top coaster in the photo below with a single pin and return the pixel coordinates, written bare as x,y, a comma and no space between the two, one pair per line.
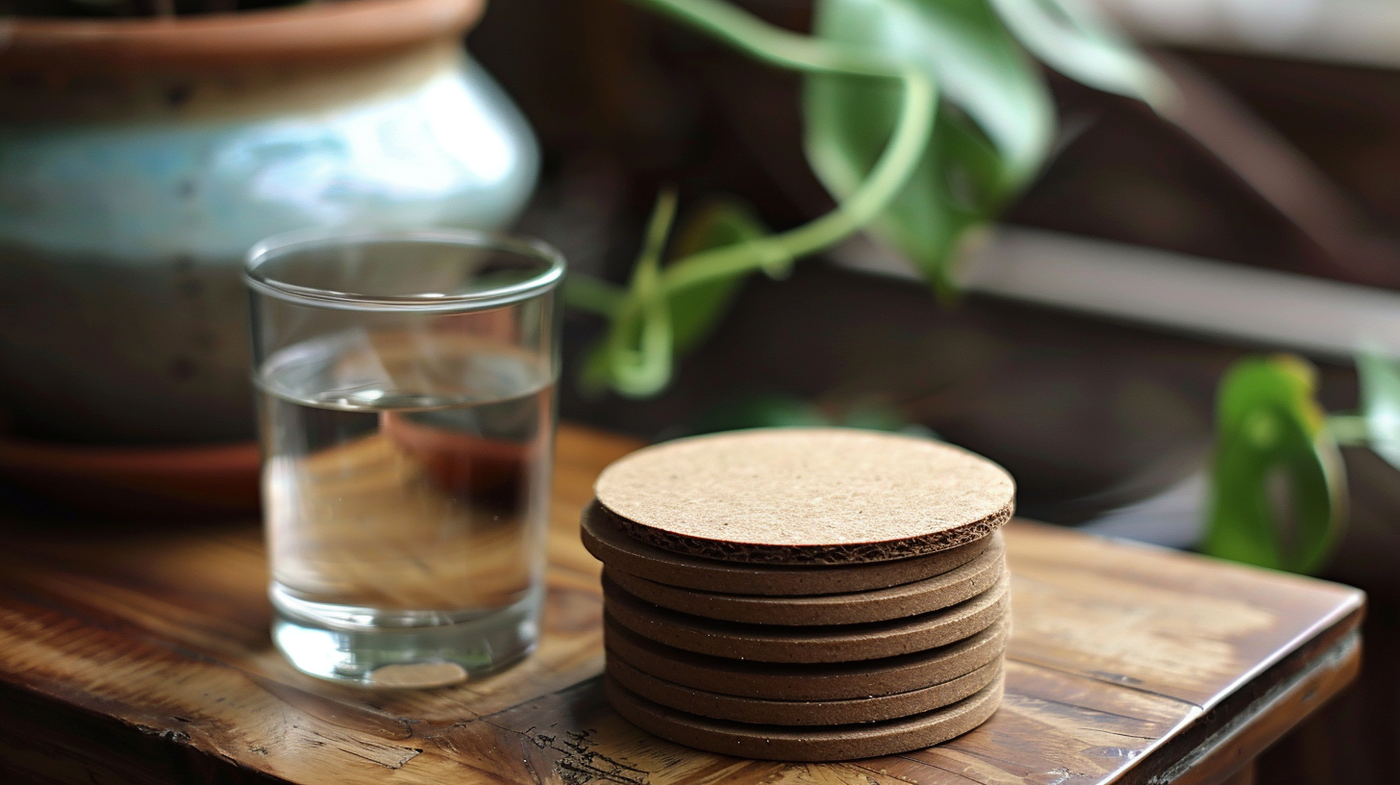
806,496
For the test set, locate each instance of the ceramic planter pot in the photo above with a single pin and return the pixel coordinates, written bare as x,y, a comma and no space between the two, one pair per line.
140,159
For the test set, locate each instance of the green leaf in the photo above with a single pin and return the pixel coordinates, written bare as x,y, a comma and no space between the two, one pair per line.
696,310
629,358
1071,38
1380,404
979,156
1278,488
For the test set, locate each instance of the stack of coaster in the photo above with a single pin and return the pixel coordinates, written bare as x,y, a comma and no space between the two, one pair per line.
803,594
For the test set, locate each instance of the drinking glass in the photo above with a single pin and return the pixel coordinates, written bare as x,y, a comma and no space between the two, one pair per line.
405,385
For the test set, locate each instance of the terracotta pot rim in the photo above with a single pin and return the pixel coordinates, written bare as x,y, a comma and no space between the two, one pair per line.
316,31
121,460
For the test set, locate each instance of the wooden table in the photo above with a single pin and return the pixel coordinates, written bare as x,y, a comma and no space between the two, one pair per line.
140,654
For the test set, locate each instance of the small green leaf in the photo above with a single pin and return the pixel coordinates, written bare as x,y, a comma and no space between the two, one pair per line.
1281,380
962,46
1072,39
1278,488
979,156
696,310
1380,404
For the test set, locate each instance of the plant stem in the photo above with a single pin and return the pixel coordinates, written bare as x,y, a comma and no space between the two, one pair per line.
645,369
887,178
775,45
592,294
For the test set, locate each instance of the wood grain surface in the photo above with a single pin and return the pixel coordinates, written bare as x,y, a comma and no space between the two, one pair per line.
136,654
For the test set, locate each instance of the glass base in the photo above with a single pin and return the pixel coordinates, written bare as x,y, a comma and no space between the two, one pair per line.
405,649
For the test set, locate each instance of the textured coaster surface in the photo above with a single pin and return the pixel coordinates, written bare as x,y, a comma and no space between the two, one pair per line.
605,539
806,496
786,712
777,742
842,643
897,602
806,681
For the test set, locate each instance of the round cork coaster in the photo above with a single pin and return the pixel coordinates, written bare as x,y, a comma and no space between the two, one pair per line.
806,681
806,496
604,538
788,712
897,602
778,742
843,643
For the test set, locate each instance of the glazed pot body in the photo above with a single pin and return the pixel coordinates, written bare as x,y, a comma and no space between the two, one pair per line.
128,200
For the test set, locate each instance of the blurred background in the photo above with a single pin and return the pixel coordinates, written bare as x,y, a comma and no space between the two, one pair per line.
1096,319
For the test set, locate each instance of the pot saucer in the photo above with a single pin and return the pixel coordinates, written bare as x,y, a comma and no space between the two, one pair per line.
136,481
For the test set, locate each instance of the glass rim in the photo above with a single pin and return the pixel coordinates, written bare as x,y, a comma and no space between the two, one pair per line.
302,239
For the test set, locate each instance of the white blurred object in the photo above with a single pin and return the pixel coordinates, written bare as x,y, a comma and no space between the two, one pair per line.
1174,518
1235,303
1364,32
